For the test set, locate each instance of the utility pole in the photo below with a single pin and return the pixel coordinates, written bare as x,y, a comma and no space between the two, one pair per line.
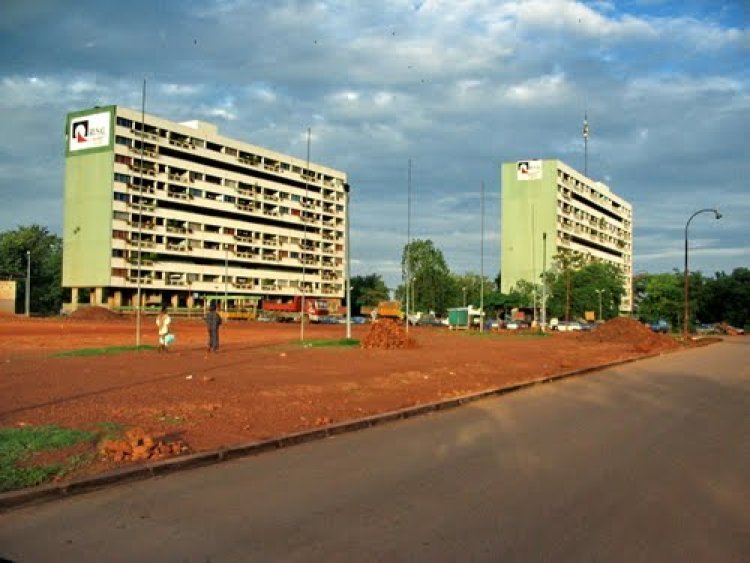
407,285
304,248
28,283
585,144
481,263
348,285
140,223
544,281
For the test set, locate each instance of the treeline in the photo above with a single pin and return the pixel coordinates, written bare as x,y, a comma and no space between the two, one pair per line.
573,285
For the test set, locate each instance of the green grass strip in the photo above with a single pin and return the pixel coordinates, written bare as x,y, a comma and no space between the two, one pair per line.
18,444
341,342
103,351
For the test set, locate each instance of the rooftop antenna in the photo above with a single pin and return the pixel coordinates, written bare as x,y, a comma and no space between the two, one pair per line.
585,144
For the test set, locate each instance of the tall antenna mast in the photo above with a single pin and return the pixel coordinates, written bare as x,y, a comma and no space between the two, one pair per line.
585,144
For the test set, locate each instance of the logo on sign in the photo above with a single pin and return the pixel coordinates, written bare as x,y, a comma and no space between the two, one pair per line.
90,132
81,131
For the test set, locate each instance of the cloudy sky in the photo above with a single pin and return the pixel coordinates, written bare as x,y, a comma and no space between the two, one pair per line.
456,86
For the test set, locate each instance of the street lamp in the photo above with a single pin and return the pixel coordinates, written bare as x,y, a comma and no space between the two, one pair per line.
686,314
28,283
599,293
464,290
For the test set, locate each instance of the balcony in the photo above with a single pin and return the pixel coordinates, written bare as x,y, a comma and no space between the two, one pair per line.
146,170
139,189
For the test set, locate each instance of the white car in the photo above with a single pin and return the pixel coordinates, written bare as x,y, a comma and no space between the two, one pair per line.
564,326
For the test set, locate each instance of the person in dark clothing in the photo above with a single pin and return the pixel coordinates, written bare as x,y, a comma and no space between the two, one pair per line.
213,321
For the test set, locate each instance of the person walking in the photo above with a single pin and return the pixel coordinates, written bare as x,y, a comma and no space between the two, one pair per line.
162,322
213,322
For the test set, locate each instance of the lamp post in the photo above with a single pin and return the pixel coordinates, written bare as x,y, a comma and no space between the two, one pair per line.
599,293
28,283
464,290
686,314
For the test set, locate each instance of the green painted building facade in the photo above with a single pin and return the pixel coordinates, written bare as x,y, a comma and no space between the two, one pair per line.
547,206
88,202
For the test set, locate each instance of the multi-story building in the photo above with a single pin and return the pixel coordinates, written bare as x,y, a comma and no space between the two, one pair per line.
176,212
548,206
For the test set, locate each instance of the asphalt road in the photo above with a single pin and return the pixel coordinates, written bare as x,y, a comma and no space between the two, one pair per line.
644,462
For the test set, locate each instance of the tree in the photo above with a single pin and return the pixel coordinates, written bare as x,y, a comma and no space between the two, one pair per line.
662,298
724,298
599,279
568,261
368,291
577,291
431,284
473,285
46,267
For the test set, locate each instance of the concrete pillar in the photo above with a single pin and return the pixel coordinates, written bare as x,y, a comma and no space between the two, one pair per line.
117,299
74,297
175,300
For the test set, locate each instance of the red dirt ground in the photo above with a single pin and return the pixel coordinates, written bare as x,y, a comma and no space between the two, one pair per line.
262,383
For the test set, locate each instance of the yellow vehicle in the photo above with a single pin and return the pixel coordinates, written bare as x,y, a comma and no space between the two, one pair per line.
390,310
235,307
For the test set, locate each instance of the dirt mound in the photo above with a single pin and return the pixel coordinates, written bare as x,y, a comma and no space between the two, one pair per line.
139,446
94,314
387,334
628,331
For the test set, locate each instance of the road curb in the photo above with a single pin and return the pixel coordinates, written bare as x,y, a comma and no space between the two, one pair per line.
49,492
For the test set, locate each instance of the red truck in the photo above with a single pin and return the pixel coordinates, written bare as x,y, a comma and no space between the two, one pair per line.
289,311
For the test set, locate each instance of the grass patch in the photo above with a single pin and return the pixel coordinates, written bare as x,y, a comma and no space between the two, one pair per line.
110,430
17,445
109,350
329,343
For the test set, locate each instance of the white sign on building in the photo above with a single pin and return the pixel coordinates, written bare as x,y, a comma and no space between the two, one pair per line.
89,131
529,170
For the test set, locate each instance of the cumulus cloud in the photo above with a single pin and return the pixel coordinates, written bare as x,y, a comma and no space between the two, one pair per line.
457,87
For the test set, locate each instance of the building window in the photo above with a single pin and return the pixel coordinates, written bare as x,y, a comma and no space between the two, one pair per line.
120,140
124,178
124,122
122,159
121,197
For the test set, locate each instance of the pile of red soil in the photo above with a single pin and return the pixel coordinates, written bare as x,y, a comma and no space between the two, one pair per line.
139,446
94,314
628,331
387,334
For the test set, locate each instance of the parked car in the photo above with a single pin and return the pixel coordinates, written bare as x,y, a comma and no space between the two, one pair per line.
567,326
706,328
429,320
661,326
517,325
